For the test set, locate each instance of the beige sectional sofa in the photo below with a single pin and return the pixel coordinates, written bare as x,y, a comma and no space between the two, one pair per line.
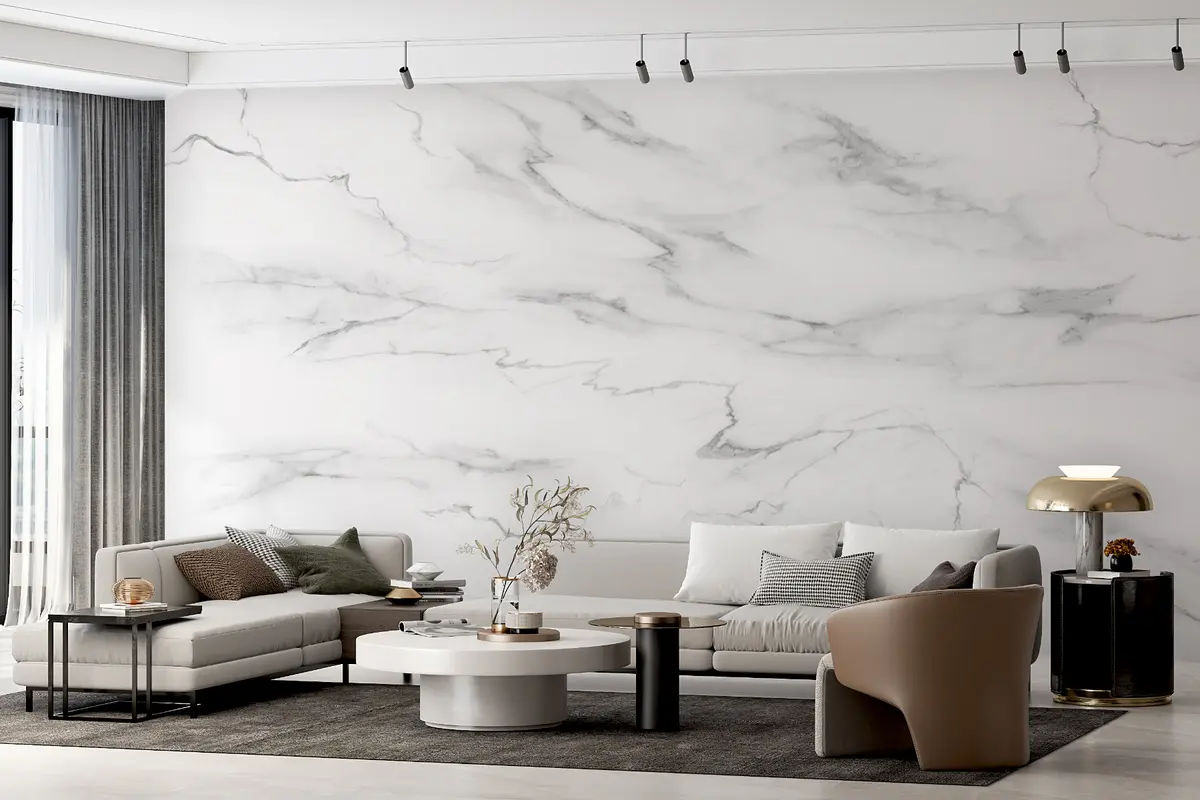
616,578
294,632
229,641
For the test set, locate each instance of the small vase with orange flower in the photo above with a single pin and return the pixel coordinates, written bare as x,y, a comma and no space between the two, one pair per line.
1120,554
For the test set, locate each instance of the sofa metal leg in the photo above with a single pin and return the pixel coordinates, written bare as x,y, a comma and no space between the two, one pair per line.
28,699
406,677
345,672
192,704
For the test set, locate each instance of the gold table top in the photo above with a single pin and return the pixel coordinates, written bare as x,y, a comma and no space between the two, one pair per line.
684,623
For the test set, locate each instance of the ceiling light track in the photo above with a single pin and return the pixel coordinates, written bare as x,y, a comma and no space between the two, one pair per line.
685,65
731,33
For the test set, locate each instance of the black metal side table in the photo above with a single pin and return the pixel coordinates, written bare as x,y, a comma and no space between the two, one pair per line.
142,621
656,634
1112,641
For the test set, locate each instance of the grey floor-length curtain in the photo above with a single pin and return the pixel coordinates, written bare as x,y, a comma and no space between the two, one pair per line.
88,296
117,450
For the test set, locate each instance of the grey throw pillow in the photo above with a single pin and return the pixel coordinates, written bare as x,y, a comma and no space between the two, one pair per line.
946,576
341,568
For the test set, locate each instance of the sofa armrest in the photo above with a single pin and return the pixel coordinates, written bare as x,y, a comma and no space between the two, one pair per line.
1013,566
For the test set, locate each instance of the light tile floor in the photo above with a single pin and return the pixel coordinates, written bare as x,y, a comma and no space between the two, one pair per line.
1148,753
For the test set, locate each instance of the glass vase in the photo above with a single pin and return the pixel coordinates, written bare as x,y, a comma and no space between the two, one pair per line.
506,597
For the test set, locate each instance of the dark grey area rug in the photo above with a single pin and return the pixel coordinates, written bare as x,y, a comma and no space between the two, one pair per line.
741,736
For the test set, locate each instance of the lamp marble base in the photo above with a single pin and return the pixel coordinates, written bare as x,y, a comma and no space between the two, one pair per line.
1089,541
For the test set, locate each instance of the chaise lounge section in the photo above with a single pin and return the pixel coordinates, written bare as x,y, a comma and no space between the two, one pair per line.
229,641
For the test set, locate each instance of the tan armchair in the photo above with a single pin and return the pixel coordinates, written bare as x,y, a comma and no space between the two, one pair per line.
954,663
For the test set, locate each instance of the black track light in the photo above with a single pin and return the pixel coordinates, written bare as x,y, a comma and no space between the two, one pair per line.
1177,51
1018,55
685,66
405,75
1064,63
643,73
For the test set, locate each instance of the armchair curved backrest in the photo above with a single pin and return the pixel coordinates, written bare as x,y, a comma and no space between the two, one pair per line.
956,662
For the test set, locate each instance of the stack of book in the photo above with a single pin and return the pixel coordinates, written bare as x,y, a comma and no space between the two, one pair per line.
131,608
442,591
1109,574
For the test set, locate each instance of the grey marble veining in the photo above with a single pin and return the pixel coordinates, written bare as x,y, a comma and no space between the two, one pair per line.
896,298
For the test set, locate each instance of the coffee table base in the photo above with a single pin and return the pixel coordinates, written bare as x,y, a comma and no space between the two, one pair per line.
487,703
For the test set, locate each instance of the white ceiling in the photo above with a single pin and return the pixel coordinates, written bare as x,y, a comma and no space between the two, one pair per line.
214,25
154,48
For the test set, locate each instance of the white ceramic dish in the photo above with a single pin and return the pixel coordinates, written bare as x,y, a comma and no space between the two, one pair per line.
424,571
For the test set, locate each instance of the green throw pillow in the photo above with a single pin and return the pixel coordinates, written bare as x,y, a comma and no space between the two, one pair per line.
341,568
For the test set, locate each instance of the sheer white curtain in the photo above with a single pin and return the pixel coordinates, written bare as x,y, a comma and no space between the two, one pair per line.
46,234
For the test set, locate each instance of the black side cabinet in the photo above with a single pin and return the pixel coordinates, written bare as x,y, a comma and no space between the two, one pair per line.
1112,642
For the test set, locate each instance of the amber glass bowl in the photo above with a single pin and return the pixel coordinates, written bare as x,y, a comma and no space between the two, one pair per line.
133,591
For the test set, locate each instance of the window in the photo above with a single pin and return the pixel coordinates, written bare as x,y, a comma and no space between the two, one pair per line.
7,249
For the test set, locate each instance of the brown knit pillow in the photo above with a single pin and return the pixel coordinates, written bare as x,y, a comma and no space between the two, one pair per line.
228,572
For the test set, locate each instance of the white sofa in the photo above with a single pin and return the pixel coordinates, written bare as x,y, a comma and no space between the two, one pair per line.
228,641
617,578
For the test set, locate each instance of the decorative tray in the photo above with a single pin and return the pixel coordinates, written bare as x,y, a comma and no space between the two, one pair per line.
543,635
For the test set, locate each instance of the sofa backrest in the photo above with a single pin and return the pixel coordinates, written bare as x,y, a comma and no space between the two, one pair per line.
647,570
391,553
611,568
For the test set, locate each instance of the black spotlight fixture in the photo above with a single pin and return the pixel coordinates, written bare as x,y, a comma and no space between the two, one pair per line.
1177,51
1064,63
1018,55
643,73
405,75
685,66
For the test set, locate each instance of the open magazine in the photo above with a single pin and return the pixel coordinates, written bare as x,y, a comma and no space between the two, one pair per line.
439,630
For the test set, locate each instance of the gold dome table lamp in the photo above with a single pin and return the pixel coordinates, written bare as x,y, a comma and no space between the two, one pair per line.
1089,490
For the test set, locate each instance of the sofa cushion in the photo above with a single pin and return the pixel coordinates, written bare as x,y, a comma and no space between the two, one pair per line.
905,556
574,611
318,613
774,629
946,576
226,630
340,568
723,560
766,663
227,572
828,583
265,546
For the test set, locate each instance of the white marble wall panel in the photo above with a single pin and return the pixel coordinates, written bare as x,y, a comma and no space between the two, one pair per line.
895,298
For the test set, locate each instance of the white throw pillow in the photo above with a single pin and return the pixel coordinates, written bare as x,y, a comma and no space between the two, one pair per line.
723,560
905,556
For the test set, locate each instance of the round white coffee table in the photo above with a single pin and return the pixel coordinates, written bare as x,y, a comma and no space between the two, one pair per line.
470,685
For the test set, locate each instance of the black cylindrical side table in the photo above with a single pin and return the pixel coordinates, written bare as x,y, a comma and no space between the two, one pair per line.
656,634
1112,641
657,678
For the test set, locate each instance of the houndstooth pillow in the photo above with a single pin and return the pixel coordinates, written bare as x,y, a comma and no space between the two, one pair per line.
263,545
832,583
